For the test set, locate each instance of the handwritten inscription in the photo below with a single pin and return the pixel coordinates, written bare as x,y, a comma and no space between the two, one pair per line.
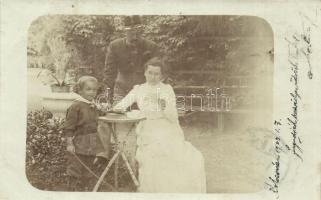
308,25
299,46
273,181
292,120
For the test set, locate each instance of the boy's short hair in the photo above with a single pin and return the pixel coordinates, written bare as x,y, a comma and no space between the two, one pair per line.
81,82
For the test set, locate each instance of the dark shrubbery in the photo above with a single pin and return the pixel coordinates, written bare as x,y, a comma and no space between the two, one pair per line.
45,163
45,155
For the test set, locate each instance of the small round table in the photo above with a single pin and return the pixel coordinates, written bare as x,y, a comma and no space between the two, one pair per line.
112,119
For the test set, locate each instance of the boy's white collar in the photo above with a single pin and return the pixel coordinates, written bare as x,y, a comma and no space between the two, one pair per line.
82,99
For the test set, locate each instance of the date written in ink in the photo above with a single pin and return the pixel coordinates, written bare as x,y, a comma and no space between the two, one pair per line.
273,181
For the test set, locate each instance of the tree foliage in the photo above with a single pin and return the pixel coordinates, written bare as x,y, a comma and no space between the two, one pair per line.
211,48
190,42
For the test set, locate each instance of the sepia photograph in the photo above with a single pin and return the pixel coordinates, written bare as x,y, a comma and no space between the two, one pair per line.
150,103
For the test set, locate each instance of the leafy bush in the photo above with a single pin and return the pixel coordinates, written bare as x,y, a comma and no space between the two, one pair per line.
45,159
45,163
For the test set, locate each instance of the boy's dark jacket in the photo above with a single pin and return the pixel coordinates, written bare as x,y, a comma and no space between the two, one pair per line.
81,123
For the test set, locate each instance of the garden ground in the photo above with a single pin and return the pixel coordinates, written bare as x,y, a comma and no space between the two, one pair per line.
232,163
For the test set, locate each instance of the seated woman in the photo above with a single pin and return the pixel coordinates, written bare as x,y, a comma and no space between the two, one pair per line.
167,163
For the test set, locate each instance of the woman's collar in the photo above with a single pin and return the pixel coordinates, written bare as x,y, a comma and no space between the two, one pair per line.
156,85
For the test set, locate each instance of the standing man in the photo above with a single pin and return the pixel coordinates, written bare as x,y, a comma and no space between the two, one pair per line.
125,59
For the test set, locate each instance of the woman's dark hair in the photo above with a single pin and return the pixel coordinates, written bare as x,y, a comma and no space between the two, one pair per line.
155,61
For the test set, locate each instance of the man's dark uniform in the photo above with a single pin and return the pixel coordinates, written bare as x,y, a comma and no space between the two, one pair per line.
124,64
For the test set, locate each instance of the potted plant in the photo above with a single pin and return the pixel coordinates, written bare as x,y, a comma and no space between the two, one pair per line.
58,73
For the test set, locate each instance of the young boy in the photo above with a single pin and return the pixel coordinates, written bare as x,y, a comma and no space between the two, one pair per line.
83,144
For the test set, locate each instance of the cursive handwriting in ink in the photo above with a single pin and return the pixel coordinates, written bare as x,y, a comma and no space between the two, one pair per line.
292,120
308,24
306,50
274,180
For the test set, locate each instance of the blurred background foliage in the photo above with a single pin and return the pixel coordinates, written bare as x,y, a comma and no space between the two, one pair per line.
200,50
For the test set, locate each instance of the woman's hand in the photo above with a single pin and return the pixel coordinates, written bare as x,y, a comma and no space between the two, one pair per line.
118,110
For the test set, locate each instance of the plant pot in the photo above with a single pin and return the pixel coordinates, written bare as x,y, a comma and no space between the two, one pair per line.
57,88
58,102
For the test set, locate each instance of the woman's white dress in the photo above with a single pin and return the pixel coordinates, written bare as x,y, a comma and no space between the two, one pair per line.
167,163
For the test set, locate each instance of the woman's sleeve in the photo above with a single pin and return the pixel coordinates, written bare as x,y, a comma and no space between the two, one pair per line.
128,100
71,121
170,110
